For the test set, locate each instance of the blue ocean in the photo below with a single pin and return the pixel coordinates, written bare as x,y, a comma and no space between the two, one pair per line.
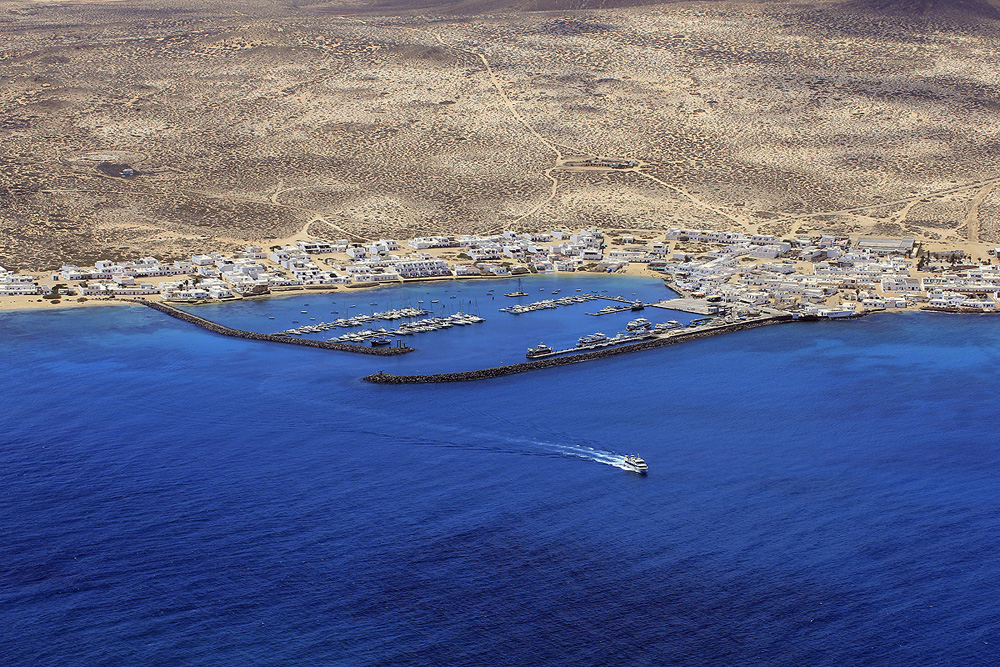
818,494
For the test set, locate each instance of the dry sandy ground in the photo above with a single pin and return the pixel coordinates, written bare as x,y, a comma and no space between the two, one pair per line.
255,122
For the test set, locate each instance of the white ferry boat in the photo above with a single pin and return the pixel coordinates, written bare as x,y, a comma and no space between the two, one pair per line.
638,324
539,351
592,339
635,464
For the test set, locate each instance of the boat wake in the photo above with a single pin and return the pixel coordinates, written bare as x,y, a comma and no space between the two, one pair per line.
462,437
583,452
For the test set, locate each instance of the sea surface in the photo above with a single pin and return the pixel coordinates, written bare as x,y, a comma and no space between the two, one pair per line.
818,494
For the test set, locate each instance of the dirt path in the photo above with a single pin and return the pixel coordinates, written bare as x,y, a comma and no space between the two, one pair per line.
915,199
509,103
972,216
277,191
694,200
545,202
326,221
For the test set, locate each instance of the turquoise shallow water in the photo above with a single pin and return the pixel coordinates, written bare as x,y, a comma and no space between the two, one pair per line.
820,494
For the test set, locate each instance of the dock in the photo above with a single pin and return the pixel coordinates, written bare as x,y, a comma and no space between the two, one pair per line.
687,305
635,305
544,304
622,309
595,346
677,336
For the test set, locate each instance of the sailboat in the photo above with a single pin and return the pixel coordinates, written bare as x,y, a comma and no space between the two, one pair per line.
519,291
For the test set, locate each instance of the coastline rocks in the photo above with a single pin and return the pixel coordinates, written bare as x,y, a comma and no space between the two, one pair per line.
500,371
214,327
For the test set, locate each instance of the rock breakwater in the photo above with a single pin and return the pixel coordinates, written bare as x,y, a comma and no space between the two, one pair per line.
215,327
500,371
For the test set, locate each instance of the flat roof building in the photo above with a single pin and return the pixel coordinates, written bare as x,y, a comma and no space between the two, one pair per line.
885,246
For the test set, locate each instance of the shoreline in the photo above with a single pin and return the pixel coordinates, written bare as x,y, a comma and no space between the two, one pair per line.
34,303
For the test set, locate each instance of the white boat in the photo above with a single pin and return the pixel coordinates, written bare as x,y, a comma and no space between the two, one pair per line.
592,339
539,351
638,324
519,291
634,464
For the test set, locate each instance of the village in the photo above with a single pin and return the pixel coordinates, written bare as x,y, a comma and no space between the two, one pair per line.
823,276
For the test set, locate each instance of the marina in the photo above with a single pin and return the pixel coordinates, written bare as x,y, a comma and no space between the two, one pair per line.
611,310
567,332
543,351
410,328
224,330
546,304
357,320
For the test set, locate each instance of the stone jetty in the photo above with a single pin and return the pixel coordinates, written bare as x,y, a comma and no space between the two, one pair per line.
215,327
500,371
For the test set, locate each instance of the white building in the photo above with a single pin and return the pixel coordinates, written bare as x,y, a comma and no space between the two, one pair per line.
424,242
12,284
422,268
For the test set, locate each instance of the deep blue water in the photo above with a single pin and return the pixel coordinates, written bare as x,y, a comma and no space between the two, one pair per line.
819,494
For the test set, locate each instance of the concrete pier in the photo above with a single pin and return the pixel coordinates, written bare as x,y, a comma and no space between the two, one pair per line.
687,305
618,310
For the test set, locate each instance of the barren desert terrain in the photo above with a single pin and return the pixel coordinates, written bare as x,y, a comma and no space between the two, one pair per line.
147,127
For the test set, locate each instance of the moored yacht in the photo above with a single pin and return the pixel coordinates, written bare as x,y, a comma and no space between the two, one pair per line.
638,324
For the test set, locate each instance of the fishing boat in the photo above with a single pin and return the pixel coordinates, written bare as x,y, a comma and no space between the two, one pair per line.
380,341
634,464
519,291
